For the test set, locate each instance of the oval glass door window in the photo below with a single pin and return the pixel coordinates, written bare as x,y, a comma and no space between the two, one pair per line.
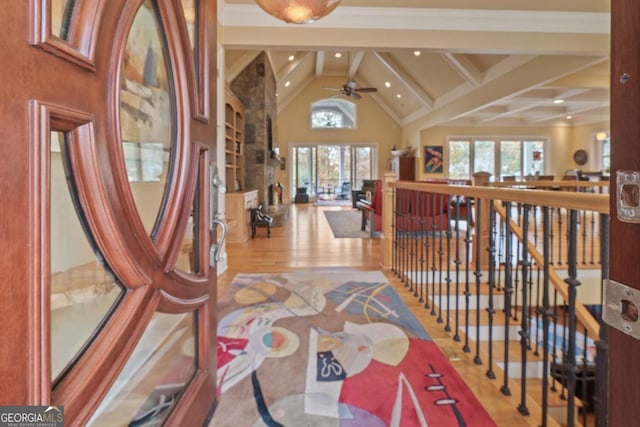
147,115
83,289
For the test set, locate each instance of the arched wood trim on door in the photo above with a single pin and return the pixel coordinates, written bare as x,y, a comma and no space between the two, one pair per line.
49,97
79,47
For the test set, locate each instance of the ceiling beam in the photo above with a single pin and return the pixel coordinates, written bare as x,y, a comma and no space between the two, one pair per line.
354,64
536,72
319,63
283,74
236,68
464,67
408,81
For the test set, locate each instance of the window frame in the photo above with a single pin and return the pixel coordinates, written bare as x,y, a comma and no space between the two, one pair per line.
496,173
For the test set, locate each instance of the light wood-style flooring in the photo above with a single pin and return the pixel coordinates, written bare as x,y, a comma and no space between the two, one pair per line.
306,242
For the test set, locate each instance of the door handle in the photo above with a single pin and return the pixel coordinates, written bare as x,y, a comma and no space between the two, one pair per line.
215,252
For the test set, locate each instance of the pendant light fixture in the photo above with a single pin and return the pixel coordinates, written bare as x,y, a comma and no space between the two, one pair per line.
298,11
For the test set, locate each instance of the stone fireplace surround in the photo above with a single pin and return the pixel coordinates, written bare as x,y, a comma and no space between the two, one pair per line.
255,86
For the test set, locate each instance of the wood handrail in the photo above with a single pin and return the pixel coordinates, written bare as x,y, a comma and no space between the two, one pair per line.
556,199
543,183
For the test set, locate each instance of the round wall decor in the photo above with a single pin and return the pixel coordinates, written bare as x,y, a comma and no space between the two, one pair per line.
580,157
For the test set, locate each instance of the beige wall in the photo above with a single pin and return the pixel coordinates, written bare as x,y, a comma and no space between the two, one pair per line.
374,126
562,143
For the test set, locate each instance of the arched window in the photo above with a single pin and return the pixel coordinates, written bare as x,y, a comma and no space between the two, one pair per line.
333,114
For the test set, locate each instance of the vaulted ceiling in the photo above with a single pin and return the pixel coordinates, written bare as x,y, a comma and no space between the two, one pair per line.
441,62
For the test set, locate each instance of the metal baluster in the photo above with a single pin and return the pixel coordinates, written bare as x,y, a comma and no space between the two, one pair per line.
492,276
416,195
584,380
559,236
551,236
420,277
457,262
500,253
593,237
477,360
508,290
516,282
467,290
432,198
584,237
439,208
429,248
447,326
602,344
524,326
546,314
554,351
573,283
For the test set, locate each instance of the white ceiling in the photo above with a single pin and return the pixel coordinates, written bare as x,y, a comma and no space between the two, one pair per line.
479,64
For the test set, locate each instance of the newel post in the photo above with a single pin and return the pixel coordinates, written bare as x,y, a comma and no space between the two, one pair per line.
388,208
481,179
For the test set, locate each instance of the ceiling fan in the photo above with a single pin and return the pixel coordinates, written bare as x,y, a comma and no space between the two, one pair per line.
351,89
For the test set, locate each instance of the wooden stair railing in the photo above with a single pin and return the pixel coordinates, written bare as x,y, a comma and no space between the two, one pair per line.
404,251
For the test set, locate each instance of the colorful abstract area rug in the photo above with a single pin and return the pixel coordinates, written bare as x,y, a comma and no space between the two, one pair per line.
334,349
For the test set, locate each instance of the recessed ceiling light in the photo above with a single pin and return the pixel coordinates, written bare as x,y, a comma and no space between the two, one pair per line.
387,84
399,96
287,83
601,136
558,101
417,52
291,58
569,117
338,55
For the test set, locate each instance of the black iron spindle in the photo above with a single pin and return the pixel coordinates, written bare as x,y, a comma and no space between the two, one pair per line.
602,344
492,275
524,326
478,274
508,290
457,262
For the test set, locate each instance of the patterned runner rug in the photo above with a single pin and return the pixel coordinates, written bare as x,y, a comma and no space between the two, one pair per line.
332,348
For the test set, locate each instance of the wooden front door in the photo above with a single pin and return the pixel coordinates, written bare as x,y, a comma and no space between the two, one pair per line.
107,111
624,350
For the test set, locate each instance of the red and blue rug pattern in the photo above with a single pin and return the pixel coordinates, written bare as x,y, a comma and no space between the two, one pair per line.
335,349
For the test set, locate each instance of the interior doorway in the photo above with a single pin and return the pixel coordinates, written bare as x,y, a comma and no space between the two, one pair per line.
331,171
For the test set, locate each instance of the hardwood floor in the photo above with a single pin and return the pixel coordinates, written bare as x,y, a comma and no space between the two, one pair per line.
306,242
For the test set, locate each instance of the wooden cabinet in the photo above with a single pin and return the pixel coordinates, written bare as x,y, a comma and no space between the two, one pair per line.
233,142
238,216
405,167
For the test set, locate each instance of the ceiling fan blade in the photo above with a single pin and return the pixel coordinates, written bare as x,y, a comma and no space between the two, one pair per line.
356,95
335,89
366,89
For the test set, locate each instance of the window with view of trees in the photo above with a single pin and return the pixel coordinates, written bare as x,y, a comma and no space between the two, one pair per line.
508,157
333,113
332,170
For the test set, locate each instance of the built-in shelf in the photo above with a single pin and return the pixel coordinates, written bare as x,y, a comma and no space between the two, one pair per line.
234,143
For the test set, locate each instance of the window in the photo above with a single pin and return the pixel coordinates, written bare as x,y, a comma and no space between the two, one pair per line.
333,114
604,140
323,169
500,158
